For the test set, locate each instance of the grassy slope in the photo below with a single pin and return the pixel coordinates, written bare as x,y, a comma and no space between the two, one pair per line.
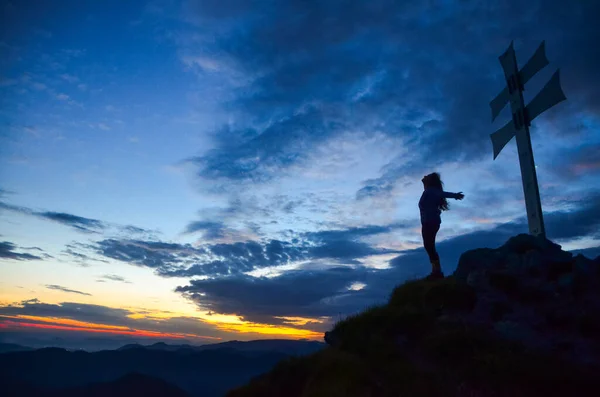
416,345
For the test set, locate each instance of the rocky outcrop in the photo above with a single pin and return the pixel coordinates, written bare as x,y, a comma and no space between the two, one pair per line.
531,291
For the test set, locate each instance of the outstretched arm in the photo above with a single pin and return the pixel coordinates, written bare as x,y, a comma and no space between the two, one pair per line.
456,196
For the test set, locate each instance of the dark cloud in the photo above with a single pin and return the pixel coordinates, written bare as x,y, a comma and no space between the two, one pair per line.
583,221
64,289
301,293
579,162
211,230
7,250
348,250
175,260
79,223
153,254
70,310
353,232
422,71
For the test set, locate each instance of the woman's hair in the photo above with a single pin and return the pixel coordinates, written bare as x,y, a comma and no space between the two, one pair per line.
434,180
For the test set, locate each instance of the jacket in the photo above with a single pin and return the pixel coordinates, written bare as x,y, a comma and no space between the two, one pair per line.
430,202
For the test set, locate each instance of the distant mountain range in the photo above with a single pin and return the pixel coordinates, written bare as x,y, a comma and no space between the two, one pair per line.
290,347
169,370
11,347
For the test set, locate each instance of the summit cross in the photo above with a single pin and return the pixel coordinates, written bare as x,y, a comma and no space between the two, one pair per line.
522,116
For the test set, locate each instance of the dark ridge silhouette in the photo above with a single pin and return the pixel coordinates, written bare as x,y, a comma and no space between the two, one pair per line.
133,384
287,346
11,347
207,371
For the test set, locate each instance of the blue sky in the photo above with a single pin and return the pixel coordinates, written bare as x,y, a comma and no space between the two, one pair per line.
236,170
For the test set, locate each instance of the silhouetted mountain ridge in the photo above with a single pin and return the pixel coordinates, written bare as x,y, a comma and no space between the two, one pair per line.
12,347
262,345
201,371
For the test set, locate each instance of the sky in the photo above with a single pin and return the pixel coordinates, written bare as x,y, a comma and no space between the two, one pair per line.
205,171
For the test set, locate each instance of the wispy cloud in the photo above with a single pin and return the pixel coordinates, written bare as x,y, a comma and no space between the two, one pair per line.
7,251
64,289
79,223
114,277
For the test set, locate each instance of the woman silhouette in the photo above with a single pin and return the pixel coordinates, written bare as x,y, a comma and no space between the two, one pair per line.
432,203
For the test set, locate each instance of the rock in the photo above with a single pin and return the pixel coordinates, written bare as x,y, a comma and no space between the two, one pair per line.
477,279
514,331
329,338
585,267
522,243
566,282
401,341
527,290
473,260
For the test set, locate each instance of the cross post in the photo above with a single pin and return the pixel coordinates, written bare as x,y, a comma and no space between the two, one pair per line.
522,116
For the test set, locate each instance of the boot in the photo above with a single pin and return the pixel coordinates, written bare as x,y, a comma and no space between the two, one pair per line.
436,271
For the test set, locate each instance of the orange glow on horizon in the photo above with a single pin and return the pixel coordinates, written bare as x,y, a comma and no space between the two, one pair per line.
229,324
266,329
69,322
69,325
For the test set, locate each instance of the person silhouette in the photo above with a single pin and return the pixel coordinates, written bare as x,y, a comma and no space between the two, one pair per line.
432,203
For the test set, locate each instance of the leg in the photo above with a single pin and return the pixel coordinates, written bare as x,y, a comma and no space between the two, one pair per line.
429,232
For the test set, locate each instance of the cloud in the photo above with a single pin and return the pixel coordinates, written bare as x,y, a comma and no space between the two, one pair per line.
266,153
73,251
79,223
70,310
7,250
583,160
72,291
114,277
409,70
82,224
221,259
293,294
582,221
353,232
212,230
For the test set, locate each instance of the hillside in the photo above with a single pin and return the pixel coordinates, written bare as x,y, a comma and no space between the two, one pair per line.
519,320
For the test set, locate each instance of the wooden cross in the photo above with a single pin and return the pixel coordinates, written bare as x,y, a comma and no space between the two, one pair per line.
522,116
